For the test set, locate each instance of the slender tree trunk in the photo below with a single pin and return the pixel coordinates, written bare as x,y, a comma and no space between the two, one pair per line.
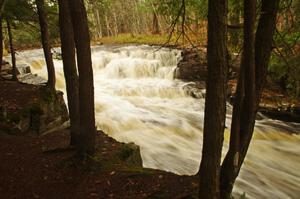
1,35
1,45
12,52
116,29
264,42
215,102
250,85
107,27
155,25
46,42
100,35
70,70
86,83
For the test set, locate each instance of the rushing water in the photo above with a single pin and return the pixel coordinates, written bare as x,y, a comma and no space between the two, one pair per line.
138,100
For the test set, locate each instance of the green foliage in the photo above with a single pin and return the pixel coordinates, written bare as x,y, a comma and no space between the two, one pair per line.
286,73
284,66
23,17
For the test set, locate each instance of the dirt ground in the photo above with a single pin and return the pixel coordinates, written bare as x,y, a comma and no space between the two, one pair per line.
32,167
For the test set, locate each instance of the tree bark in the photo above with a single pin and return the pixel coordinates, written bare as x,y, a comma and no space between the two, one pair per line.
252,76
1,35
155,25
215,102
12,52
46,42
70,70
86,84
263,42
1,45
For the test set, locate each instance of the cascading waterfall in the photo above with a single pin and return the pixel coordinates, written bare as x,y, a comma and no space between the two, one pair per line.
138,100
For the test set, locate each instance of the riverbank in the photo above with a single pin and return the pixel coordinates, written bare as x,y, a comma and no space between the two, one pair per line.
42,167
35,165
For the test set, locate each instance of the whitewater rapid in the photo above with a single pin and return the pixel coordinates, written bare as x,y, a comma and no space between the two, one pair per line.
138,100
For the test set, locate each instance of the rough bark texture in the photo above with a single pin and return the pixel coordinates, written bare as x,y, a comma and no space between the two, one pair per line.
252,75
46,42
86,83
70,70
215,102
12,51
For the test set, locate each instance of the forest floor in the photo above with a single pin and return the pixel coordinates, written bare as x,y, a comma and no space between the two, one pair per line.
30,168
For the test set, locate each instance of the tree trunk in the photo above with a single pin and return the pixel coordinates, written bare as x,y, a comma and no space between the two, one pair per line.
86,83
215,102
108,32
1,45
263,42
12,52
252,76
46,42
1,35
70,70
155,25
99,25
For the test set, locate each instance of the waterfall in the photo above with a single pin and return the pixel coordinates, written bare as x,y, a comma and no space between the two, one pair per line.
138,100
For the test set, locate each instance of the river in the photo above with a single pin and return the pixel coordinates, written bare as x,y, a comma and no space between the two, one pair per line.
138,100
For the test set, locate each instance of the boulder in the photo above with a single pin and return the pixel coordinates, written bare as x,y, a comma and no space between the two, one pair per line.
130,153
192,66
30,109
22,69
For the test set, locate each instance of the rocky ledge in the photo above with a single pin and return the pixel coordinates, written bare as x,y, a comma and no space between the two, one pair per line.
275,103
30,109
192,66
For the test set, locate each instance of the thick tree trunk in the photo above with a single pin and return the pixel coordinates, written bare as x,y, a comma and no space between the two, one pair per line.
46,43
86,84
70,70
12,52
249,89
215,102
